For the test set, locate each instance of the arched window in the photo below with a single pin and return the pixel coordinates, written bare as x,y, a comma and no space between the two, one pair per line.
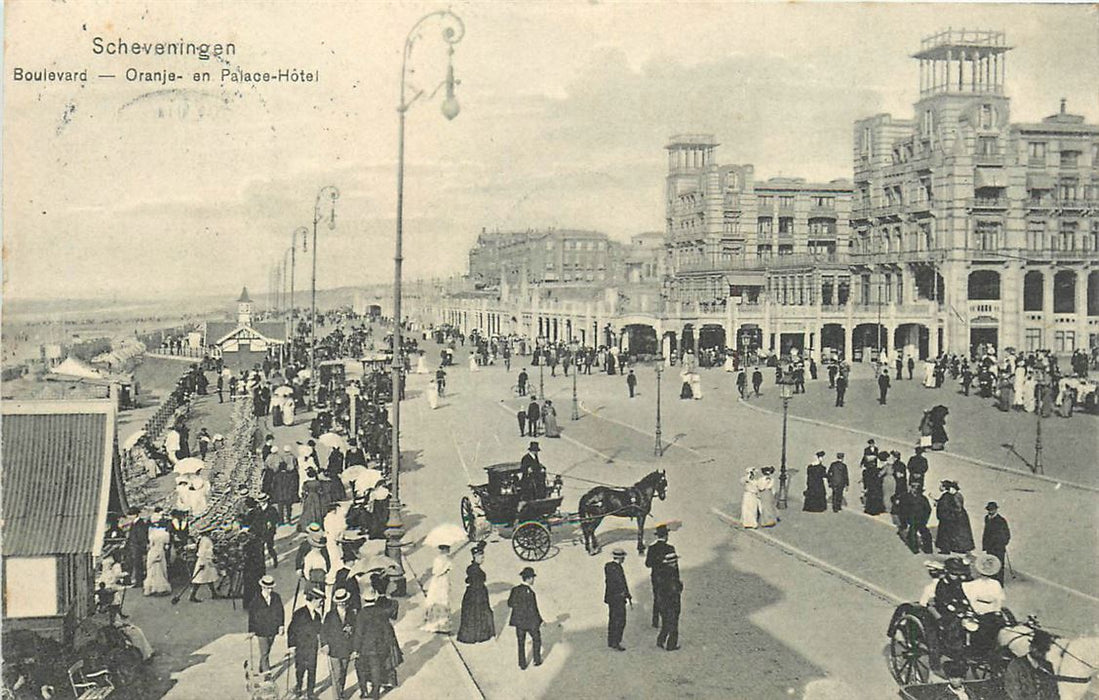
984,285
1033,291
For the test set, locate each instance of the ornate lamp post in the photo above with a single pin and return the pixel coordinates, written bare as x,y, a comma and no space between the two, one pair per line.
786,391
453,31
658,448
293,263
1041,381
331,192
575,371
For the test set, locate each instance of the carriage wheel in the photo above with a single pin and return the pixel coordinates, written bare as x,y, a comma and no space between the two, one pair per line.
468,521
531,541
909,653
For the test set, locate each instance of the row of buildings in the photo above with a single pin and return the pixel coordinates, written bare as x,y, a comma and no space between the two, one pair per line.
958,228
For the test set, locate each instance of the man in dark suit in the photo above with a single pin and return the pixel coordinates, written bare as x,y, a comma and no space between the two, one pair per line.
631,383
841,388
303,635
883,385
265,619
917,468
654,560
523,382
533,480
265,522
371,643
615,595
838,480
996,537
534,414
337,637
670,589
525,617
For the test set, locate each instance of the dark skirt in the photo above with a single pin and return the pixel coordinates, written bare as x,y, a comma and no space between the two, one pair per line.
874,498
816,498
477,624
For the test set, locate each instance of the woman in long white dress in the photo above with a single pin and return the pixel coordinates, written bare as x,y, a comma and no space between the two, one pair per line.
765,485
1020,385
206,571
432,395
437,614
421,364
749,502
472,363
156,561
1029,396
929,374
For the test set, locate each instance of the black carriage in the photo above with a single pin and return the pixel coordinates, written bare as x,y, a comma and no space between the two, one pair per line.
917,647
503,502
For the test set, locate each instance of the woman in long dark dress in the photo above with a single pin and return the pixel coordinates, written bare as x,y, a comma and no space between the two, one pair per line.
477,623
873,494
816,498
314,501
954,534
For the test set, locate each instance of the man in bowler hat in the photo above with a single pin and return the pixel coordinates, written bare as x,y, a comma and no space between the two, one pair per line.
525,617
995,537
616,594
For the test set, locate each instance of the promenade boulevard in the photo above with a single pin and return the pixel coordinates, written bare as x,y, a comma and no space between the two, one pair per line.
799,610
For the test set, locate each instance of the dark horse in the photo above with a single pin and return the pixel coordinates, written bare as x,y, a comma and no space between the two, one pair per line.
630,502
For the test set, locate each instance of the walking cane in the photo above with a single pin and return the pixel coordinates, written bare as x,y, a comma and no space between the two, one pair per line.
177,596
297,588
1007,561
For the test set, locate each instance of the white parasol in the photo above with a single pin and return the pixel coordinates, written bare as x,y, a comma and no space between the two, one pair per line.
378,562
360,478
447,534
333,440
131,441
283,391
190,465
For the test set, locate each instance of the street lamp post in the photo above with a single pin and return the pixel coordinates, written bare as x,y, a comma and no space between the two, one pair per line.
334,194
575,371
453,31
786,391
658,448
1041,378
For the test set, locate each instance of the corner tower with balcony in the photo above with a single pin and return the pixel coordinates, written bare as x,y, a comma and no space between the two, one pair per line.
964,221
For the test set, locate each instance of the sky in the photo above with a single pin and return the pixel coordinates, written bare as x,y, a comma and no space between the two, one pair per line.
131,189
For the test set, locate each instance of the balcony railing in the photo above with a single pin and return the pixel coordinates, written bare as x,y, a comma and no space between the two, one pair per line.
987,203
985,308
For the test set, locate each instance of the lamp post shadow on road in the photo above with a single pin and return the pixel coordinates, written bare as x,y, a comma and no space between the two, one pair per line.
786,392
658,447
452,33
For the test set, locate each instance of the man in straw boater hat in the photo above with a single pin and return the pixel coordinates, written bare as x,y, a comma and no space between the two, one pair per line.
525,617
337,637
303,635
266,619
654,560
616,594
670,589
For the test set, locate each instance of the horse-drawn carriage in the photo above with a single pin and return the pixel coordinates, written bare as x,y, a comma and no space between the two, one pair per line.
531,510
973,652
502,502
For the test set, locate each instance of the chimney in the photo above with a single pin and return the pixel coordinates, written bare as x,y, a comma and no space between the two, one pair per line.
1063,101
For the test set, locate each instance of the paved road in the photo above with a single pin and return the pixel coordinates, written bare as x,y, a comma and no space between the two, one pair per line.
798,610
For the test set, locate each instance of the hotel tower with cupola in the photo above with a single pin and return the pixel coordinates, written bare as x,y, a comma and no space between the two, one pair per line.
990,226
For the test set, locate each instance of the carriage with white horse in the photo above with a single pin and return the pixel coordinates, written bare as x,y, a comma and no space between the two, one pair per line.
529,503
940,647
